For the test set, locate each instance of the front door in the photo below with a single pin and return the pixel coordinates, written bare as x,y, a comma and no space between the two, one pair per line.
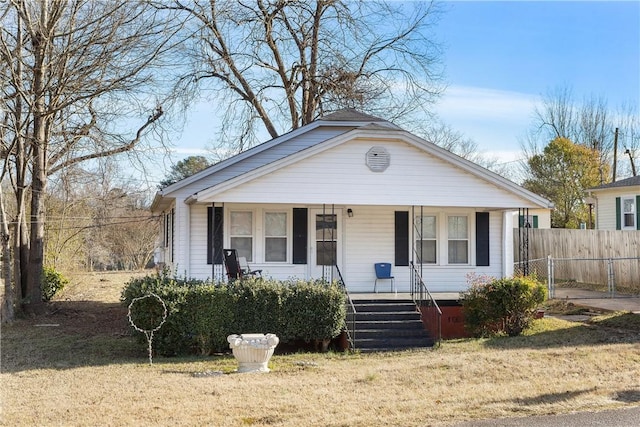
325,249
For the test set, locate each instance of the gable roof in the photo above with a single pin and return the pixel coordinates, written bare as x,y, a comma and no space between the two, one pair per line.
333,129
350,115
340,122
629,182
347,118
375,133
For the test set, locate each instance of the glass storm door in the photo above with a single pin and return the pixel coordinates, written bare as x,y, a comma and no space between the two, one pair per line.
325,248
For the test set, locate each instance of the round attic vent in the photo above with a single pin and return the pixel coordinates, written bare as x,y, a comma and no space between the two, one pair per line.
378,159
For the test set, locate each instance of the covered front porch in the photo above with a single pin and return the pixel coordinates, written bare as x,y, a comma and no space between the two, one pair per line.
445,244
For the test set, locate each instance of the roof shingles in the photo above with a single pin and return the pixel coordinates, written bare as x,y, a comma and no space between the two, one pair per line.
629,182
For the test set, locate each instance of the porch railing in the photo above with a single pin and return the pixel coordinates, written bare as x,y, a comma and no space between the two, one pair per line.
429,309
350,320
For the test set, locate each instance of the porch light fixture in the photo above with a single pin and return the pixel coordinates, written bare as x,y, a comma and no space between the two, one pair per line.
350,213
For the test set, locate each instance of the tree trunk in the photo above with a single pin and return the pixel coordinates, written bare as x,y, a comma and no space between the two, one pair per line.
8,304
35,266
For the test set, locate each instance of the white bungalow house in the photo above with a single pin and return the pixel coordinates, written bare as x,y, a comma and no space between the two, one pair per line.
617,204
345,191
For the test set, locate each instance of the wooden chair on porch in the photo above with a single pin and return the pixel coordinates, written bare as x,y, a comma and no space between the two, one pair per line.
237,267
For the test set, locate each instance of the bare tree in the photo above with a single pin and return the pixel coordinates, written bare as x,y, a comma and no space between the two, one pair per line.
282,64
590,123
628,121
556,117
455,141
131,238
71,68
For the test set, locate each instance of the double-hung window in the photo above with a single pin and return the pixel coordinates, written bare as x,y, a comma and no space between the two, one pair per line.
426,232
241,227
458,239
629,213
275,236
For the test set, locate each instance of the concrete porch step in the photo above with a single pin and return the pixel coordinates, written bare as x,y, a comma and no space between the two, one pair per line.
369,306
387,316
376,333
388,325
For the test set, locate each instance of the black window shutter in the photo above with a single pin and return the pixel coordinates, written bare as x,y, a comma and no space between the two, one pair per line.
300,235
215,236
402,238
482,239
618,214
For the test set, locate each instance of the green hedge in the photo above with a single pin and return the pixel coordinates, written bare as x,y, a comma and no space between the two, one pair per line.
201,314
505,305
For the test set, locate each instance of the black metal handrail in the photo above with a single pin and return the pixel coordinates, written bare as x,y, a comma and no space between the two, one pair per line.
423,298
351,311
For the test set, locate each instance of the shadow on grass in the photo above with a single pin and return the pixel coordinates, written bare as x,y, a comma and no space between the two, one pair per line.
550,398
625,396
70,334
73,334
628,396
550,332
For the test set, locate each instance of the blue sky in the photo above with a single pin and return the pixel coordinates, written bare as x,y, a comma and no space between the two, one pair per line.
502,56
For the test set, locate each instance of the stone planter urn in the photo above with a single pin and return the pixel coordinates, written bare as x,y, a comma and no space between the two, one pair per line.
253,351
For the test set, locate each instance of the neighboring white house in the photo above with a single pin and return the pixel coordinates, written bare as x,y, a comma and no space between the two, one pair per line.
347,190
533,218
617,204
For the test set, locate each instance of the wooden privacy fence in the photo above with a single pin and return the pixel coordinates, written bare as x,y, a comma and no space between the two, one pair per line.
603,260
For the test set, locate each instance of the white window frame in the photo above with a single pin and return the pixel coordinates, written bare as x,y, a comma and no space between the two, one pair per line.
459,239
287,235
169,232
632,213
251,256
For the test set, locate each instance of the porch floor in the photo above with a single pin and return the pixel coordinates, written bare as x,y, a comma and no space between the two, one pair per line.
402,296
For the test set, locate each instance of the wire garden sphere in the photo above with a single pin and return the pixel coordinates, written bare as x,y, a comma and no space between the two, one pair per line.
148,332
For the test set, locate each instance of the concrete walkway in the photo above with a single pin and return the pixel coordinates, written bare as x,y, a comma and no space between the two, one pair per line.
598,300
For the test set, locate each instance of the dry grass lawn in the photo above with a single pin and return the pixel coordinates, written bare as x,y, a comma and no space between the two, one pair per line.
88,370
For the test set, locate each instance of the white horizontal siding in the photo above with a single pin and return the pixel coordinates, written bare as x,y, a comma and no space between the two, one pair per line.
606,212
198,267
181,239
369,238
341,176
606,205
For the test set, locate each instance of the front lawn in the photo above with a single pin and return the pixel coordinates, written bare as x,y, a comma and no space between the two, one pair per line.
79,365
